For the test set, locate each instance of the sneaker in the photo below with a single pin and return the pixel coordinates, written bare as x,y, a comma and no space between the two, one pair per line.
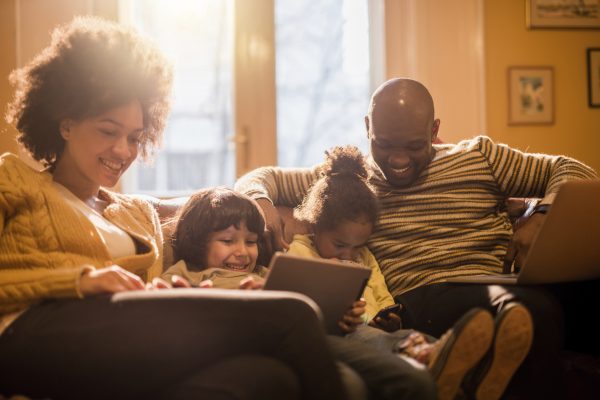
456,352
512,341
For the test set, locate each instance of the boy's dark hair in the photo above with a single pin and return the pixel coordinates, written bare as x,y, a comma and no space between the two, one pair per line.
90,66
342,193
207,211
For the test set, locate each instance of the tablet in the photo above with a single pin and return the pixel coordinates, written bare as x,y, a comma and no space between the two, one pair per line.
333,285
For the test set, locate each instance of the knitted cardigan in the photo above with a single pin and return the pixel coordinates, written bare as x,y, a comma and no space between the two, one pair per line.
45,245
452,221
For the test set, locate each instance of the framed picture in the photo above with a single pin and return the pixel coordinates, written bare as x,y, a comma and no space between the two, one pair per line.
593,66
563,14
530,95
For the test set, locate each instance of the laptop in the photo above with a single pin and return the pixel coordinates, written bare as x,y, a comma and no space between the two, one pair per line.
567,246
333,285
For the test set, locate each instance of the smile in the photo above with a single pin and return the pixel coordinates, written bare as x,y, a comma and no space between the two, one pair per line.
400,170
236,267
112,165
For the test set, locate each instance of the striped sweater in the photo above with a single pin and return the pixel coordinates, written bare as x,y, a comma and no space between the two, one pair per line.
452,220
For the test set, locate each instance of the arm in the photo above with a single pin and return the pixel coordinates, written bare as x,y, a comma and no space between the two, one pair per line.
273,186
521,174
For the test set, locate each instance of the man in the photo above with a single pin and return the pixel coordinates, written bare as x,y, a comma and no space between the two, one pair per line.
443,214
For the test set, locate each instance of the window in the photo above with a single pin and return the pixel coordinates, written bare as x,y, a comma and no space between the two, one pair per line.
323,82
323,77
197,35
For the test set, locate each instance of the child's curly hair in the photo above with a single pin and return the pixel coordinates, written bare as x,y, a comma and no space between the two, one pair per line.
90,66
342,193
211,210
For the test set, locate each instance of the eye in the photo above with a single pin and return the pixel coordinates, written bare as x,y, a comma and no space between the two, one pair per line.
226,241
108,132
134,140
251,242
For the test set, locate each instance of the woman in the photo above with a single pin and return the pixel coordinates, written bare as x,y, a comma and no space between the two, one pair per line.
78,318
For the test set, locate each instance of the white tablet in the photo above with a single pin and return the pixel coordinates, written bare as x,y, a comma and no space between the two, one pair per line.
333,285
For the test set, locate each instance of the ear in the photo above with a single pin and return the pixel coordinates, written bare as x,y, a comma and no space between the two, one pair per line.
367,126
65,128
435,129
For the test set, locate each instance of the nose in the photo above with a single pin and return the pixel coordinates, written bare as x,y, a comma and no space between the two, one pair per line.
398,159
346,255
241,250
123,148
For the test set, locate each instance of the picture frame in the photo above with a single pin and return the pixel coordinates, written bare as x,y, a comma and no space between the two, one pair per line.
582,14
530,95
593,72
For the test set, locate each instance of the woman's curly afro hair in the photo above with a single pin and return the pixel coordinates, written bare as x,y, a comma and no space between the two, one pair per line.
90,66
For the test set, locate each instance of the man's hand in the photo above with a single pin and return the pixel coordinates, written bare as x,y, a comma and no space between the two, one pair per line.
521,242
274,223
111,279
352,317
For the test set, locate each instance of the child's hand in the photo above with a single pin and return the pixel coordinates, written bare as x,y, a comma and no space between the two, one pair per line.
352,317
251,283
392,323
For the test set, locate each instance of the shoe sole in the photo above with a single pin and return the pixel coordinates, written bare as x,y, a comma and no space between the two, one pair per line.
514,334
469,344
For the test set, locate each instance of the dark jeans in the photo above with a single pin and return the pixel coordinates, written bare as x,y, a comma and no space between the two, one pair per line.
386,375
435,308
175,344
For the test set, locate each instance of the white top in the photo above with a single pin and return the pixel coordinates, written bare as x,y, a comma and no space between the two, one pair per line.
117,241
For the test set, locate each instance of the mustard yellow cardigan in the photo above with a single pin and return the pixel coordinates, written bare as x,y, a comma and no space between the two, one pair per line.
45,245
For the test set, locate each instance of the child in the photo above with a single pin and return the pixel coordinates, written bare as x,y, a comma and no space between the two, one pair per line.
341,209
216,238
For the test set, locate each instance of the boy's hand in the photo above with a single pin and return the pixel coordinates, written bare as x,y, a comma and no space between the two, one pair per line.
251,283
390,324
176,282
353,317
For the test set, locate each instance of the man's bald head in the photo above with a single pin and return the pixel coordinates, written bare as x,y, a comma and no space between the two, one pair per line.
401,127
403,95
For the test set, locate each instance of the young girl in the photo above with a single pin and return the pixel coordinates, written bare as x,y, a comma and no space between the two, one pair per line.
341,208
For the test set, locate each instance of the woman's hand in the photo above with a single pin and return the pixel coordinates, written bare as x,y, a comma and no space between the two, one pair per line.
353,317
111,279
392,323
251,283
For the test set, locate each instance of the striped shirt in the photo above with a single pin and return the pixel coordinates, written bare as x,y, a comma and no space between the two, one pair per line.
452,221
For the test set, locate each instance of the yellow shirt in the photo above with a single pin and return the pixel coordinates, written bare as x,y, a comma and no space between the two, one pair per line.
376,293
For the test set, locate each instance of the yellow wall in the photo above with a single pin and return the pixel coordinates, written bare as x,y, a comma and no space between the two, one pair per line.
508,42
7,64
43,15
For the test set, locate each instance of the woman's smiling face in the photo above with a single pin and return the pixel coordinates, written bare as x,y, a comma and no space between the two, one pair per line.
99,149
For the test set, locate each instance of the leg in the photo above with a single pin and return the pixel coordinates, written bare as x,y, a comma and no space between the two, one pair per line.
386,375
133,344
434,308
238,378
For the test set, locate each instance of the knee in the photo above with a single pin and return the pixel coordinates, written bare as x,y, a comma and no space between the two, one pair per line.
259,378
